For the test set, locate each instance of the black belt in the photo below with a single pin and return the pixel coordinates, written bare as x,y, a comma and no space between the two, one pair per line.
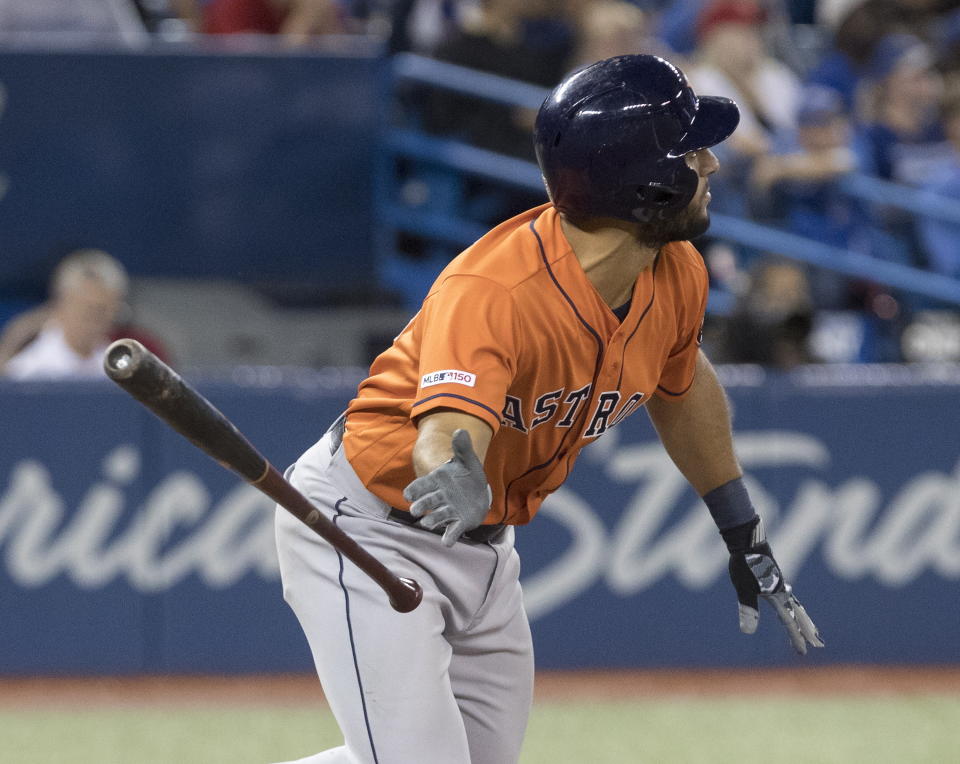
481,534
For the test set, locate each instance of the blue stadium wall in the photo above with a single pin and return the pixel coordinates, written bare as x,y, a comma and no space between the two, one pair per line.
191,164
124,550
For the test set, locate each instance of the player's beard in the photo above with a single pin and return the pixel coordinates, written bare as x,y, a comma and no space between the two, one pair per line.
692,222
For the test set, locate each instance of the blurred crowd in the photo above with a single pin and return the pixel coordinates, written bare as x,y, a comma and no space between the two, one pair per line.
829,91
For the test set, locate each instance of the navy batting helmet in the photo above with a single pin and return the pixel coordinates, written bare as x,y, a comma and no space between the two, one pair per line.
611,138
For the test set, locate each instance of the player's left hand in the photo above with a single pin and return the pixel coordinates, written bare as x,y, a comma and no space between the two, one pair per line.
755,574
454,496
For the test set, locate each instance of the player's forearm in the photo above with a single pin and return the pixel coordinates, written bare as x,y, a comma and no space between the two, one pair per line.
696,431
435,438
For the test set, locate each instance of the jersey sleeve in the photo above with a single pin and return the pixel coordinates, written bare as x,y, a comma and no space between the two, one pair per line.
468,349
677,375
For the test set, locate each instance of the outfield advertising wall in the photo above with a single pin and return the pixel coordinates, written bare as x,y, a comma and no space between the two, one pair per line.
124,550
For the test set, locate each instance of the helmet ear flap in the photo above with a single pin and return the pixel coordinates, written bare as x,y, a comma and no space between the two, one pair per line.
657,195
671,196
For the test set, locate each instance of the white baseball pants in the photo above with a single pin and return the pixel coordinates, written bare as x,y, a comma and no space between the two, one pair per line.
450,682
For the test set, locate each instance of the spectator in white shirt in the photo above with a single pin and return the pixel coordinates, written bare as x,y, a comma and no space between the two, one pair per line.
732,59
88,289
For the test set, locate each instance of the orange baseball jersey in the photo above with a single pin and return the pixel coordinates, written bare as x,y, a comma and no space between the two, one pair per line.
514,332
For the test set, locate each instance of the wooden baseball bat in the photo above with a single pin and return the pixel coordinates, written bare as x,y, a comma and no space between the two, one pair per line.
166,394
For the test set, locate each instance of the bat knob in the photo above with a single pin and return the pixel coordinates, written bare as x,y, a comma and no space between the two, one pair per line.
123,358
407,598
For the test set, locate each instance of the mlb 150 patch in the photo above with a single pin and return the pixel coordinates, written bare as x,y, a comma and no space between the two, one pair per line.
448,377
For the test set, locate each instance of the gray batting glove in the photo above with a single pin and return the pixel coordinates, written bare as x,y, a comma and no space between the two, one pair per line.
755,574
454,496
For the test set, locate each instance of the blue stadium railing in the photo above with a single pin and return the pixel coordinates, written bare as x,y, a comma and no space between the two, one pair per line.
452,228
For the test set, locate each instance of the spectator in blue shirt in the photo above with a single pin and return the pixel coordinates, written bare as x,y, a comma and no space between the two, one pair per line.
901,138
846,59
796,184
941,239
797,180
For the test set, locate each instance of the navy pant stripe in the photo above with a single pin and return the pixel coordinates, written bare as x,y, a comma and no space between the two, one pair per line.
353,647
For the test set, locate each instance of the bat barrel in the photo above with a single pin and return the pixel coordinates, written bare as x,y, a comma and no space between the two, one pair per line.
161,389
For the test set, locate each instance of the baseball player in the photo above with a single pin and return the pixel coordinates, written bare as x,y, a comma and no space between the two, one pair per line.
551,329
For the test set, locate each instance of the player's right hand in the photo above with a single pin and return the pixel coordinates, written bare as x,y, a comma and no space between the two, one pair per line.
454,496
755,574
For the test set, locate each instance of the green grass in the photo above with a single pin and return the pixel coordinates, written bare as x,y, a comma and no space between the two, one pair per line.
768,730
764,730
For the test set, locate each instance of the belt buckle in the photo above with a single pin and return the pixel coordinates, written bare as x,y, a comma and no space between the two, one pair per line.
479,535
483,534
